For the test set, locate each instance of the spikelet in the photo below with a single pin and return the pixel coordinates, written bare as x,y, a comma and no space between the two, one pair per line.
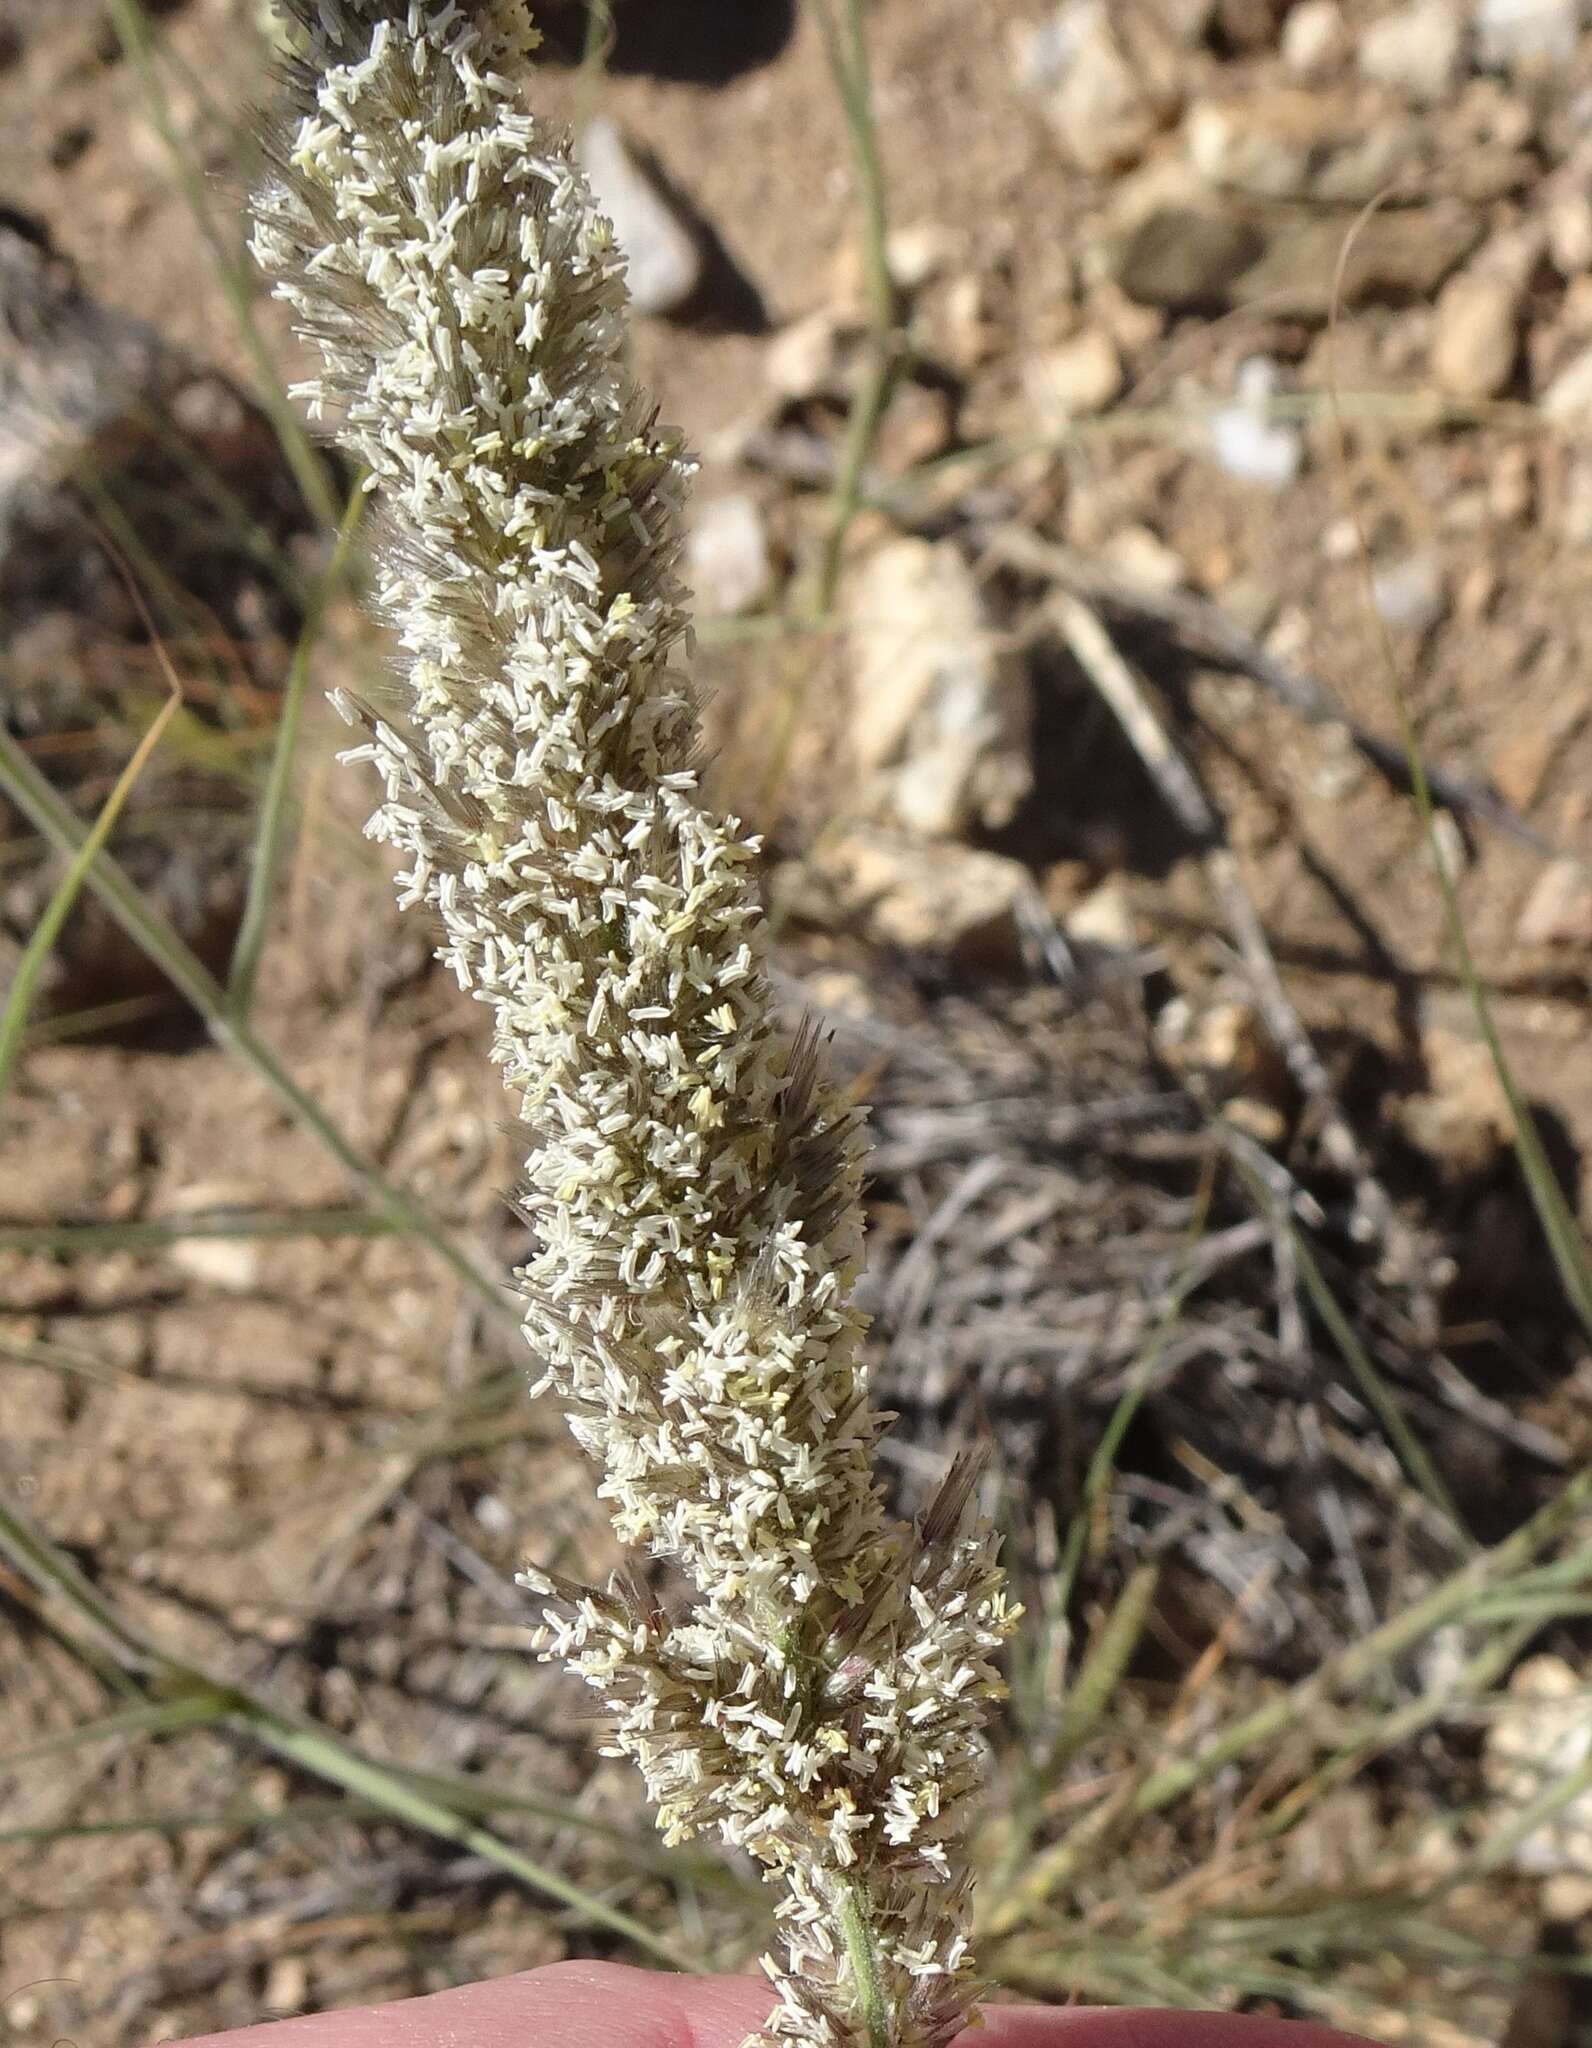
692,1180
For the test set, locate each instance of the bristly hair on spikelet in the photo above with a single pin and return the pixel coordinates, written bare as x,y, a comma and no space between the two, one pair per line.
815,1696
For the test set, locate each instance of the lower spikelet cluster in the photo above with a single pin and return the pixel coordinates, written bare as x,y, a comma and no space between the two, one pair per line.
814,1694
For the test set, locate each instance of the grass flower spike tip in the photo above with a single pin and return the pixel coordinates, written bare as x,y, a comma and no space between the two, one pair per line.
810,1682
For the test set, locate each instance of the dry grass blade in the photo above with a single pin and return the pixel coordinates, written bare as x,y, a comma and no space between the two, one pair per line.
1204,628
1381,1733
61,1358
1102,1464
318,1751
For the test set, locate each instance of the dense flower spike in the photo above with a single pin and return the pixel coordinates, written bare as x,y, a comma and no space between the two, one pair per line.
692,1185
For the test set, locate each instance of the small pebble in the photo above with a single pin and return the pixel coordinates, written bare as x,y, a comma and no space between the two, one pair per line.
1315,38
1529,33
1570,234
1417,51
728,563
1144,558
1448,847
1246,441
1476,335
1079,376
1558,912
920,252
1568,399
805,359
1520,767
1409,594
1094,100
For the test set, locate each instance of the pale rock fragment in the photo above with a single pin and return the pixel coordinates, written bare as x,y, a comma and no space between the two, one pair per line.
1542,1736
663,257
1417,51
728,561
940,718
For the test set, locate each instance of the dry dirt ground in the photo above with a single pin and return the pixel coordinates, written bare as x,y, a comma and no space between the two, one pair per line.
299,1461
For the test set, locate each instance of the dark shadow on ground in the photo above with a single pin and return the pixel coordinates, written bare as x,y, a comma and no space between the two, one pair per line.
1092,798
702,42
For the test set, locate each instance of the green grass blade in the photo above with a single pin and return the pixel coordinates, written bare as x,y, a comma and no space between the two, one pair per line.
296,1813
61,1358
1379,1397
157,1717
33,795
481,1796
303,1742
57,1577
309,471
852,71
1351,1667
36,953
1104,1667
101,1017
1385,1732
271,838
1568,1248
73,1240
316,1750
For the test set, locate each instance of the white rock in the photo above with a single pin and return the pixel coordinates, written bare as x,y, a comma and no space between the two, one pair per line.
1525,32
1542,1735
1104,919
1417,51
1246,441
728,563
1079,376
1094,98
1315,38
1558,912
941,716
969,334
919,252
1568,399
663,257
1409,594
